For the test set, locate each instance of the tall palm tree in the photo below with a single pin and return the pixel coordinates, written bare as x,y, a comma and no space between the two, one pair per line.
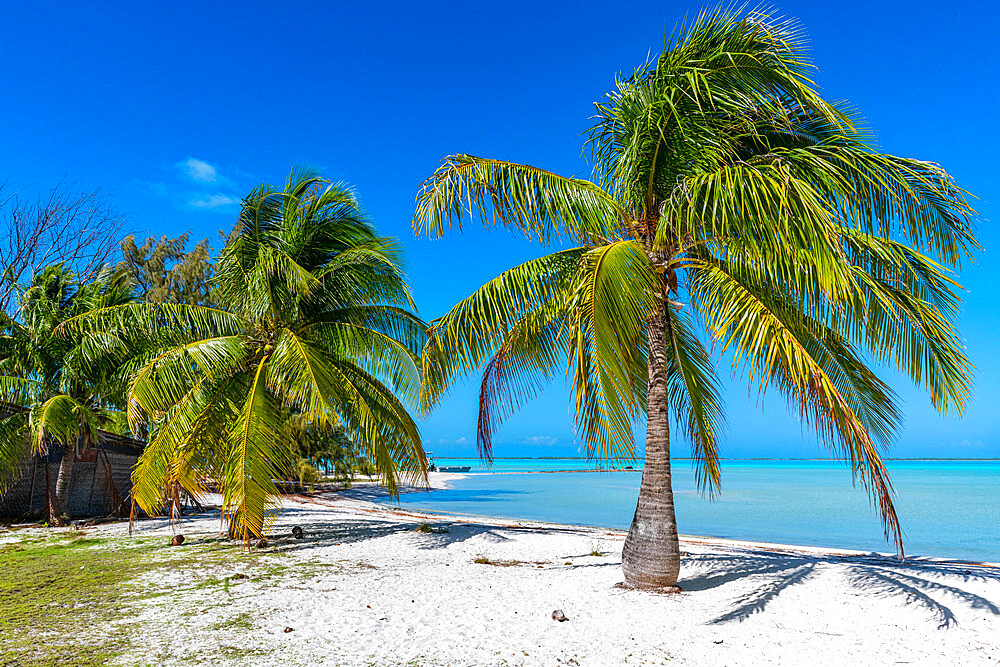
67,391
730,204
317,323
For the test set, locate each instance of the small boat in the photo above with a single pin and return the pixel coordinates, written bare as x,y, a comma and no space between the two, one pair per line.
454,468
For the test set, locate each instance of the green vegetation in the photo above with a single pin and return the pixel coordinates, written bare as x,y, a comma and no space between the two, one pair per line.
72,599
314,329
306,475
483,560
63,593
730,206
58,597
165,271
730,203
428,529
67,386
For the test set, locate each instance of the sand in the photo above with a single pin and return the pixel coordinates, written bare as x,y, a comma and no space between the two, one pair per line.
364,588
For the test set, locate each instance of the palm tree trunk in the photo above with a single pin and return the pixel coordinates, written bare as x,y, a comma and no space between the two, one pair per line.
60,506
651,556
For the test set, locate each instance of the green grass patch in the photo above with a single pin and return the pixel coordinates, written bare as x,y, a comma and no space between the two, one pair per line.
55,592
61,592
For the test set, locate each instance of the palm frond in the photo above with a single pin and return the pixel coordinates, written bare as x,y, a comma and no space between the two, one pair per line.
259,450
15,446
464,339
850,408
536,202
618,293
694,396
528,356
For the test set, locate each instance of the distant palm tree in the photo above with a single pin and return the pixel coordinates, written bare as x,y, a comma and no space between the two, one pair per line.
67,390
727,195
317,322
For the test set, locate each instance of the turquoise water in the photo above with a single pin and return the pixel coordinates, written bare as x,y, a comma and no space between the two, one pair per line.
947,509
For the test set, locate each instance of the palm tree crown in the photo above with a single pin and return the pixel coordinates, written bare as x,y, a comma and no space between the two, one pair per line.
67,388
317,325
731,204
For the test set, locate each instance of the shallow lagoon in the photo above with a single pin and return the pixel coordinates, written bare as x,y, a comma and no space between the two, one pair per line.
947,509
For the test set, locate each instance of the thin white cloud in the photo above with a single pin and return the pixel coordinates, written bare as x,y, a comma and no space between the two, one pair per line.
462,440
198,170
543,440
213,201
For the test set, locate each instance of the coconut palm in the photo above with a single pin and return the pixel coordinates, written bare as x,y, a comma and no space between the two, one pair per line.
731,204
317,323
57,389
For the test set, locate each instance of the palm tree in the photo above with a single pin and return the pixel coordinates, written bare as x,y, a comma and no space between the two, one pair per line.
730,204
67,391
317,323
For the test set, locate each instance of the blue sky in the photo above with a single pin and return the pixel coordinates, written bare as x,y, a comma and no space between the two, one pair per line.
176,110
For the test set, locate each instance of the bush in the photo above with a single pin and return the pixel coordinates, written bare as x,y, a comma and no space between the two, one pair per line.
307,475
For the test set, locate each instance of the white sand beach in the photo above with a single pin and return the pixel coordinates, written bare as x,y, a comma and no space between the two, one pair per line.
363,587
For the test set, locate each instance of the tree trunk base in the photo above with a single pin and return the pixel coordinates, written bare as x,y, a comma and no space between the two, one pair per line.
665,590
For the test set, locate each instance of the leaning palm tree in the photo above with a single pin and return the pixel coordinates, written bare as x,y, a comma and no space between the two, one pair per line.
57,390
731,205
316,323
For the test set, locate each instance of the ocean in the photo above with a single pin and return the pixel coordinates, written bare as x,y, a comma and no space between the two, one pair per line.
948,509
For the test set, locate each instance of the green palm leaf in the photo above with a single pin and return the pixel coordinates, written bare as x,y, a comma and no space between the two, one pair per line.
723,178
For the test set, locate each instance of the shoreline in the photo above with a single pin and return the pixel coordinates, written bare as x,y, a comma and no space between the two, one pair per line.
440,481
373,584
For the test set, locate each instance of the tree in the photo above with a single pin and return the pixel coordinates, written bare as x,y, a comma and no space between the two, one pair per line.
166,272
315,320
328,448
80,230
730,204
67,390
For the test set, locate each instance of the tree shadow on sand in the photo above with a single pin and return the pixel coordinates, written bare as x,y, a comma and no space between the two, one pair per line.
435,534
911,581
915,582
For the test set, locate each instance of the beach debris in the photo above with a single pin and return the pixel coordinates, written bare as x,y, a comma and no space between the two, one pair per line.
483,560
261,543
297,532
558,615
177,541
289,630
239,575
716,641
